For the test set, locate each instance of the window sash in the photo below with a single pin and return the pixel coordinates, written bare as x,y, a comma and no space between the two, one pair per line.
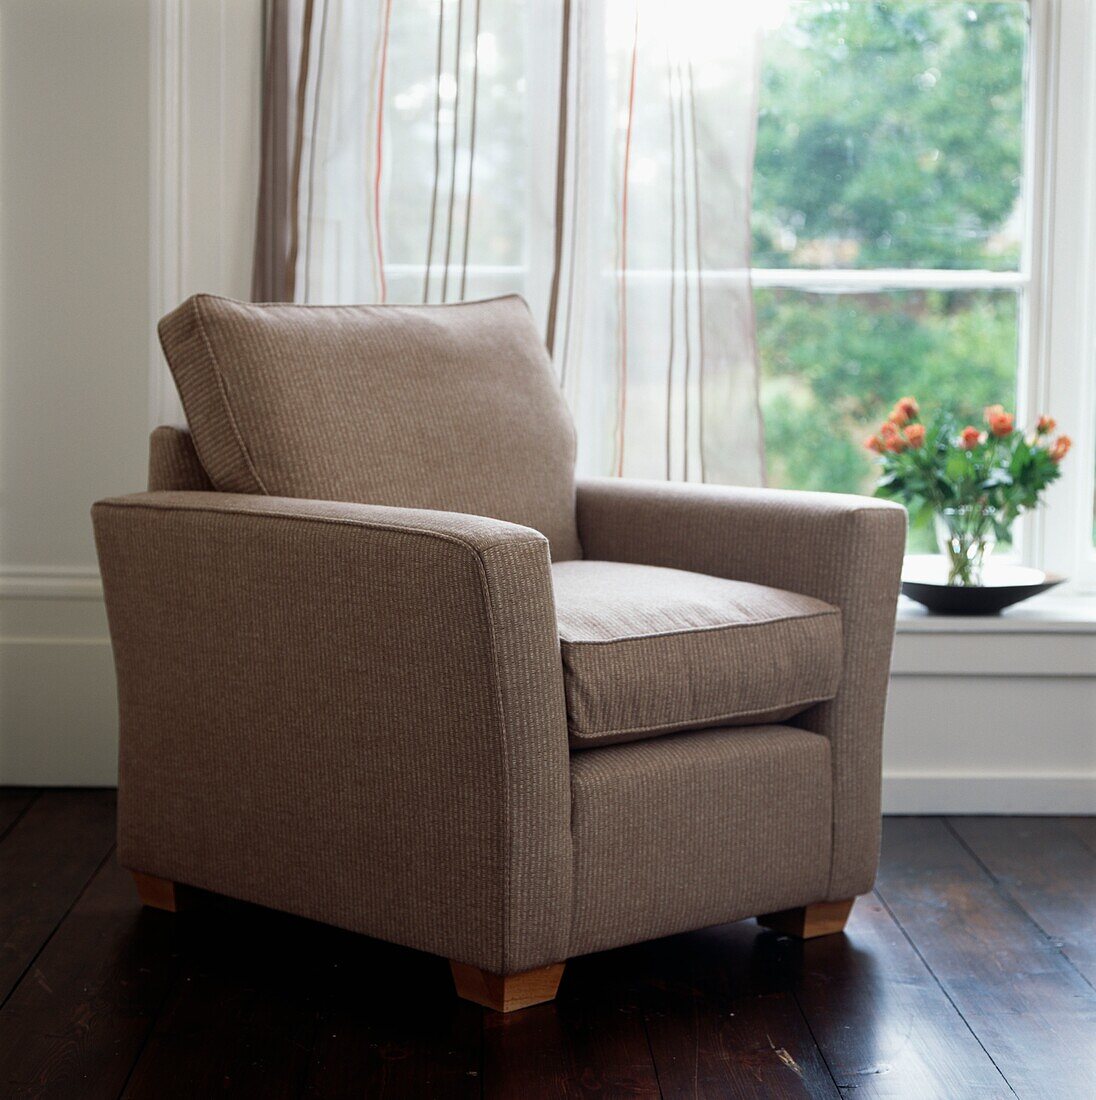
841,280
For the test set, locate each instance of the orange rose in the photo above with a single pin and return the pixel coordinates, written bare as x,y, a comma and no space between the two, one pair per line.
1046,425
1001,423
1060,448
915,435
991,411
874,443
891,438
970,438
905,409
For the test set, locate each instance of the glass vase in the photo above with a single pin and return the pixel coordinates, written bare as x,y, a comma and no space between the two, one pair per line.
966,537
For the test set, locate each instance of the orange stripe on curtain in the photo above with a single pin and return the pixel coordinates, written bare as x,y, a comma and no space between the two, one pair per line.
699,273
471,154
561,175
622,381
437,153
378,151
310,220
290,278
570,209
453,158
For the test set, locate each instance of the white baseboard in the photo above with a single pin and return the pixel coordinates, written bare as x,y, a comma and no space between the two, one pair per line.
58,707
989,794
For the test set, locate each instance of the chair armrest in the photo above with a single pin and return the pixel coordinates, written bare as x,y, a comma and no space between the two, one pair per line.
846,550
351,712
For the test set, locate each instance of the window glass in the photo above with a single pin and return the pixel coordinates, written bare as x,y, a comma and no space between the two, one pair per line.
834,364
890,135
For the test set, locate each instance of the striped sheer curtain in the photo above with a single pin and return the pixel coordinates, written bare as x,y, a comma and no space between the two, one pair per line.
594,156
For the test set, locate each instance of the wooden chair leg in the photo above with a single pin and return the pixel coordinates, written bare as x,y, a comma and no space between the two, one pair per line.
823,918
506,993
156,893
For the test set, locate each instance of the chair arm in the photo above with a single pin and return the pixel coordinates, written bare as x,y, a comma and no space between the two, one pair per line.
846,550
351,712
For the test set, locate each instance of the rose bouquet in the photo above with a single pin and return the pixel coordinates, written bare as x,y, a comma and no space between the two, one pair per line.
973,482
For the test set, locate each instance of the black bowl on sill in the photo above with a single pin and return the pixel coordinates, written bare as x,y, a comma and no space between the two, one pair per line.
924,580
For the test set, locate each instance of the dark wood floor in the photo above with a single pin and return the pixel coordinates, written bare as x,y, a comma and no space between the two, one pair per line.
969,972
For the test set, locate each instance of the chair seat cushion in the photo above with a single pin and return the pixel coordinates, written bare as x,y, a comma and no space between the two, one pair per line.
648,651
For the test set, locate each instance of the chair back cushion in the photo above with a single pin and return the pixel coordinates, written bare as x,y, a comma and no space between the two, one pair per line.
173,463
449,407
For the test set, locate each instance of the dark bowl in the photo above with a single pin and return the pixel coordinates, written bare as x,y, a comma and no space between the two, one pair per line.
923,581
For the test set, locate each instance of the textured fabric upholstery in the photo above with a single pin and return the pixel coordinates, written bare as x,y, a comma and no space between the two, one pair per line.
450,407
648,650
173,462
844,550
697,829
340,701
350,712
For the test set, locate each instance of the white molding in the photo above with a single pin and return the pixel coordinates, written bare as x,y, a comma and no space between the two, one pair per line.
944,793
205,92
167,239
51,583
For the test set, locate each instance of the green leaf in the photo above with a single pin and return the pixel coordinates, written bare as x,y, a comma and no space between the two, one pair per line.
957,466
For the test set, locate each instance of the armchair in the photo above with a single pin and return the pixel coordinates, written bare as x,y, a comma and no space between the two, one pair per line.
382,664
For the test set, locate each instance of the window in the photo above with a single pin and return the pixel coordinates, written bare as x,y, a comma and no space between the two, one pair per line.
890,238
923,206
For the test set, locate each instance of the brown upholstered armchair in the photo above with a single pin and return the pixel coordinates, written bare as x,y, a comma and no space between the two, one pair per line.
382,663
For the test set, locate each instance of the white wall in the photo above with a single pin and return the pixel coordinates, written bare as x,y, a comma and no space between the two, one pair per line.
128,149
994,715
128,153
74,309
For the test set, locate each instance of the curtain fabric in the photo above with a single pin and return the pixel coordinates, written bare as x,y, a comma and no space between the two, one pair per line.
594,156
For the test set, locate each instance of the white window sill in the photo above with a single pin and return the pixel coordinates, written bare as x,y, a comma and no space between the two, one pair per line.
1048,636
1053,612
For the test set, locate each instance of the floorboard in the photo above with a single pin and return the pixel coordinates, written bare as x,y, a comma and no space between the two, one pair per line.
239,1019
591,1041
967,974
880,1018
14,801
723,1022
1031,1010
389,1024
77,1021
1084,828
46,859
1048,871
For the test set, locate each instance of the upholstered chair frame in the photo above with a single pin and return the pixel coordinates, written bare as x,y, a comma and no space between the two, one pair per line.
355,712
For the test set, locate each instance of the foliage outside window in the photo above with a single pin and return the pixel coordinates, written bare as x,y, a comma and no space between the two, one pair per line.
890,141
